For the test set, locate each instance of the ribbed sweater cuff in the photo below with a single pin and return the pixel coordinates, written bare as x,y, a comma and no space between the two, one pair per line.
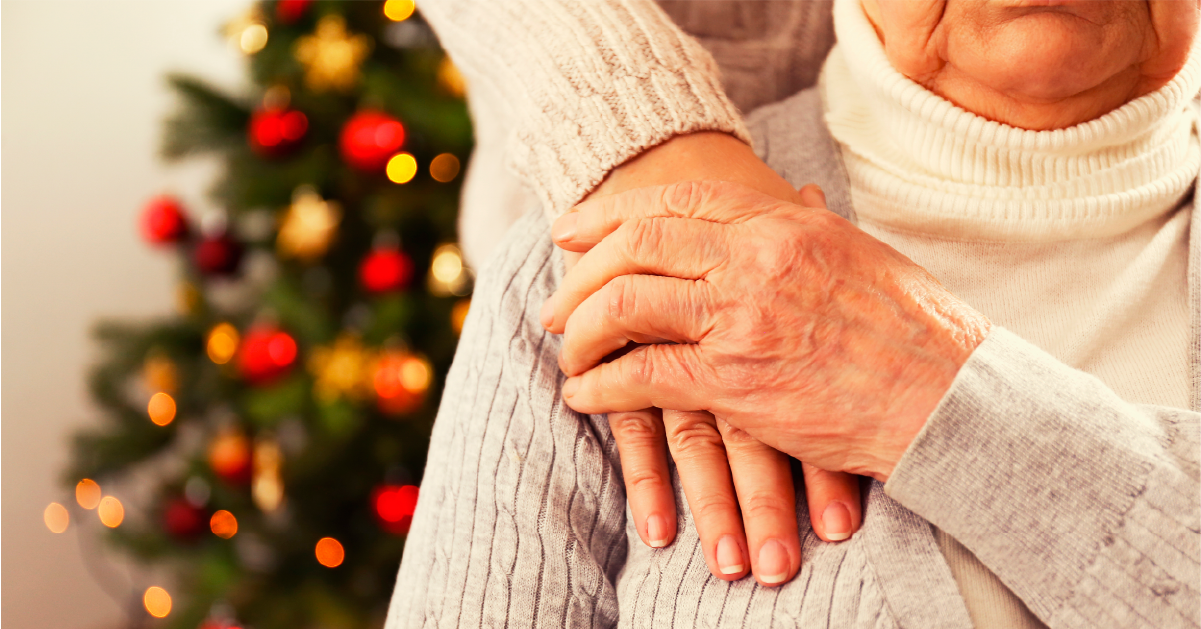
1039,468
586,85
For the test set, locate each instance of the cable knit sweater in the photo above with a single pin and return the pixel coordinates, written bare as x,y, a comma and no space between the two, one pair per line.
956,553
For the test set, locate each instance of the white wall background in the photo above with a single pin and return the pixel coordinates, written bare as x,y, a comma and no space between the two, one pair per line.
82,97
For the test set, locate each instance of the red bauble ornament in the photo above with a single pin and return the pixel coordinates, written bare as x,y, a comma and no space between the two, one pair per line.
229,456
183,520
369,139
266,354
276,131
393,506
385,269
289,11
163,221
218,255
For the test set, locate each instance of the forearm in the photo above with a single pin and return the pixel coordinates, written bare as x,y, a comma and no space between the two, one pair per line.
1085,505
584,86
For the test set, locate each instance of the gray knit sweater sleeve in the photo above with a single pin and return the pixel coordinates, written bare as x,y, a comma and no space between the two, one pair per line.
581,86
522,511
1085,505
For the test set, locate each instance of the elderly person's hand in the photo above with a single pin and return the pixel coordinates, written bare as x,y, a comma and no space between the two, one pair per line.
740,491
785,321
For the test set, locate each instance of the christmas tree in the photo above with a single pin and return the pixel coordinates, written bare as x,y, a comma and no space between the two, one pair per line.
277,426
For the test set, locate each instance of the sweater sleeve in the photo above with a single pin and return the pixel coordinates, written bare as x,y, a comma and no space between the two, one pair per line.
1086,506
581,87
521,516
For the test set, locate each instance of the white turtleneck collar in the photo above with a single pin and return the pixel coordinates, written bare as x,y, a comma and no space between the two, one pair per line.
919,163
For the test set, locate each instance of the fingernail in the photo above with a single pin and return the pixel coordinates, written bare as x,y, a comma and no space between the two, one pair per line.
837,521
547,316
773,562
564,228
729,556
570,387
656,531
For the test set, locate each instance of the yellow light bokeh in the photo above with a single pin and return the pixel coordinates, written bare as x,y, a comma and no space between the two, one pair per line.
160,373
253,39
451,79
222,343
161,409
111,512
447,264
330,552
399,10
224,524
56,517
444,167
87,493
157,601
402,168
458,315
415,375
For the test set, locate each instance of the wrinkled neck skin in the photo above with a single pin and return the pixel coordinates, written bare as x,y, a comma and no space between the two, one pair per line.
1036,64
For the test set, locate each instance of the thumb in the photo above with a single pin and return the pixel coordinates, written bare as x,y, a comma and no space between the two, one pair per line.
812,196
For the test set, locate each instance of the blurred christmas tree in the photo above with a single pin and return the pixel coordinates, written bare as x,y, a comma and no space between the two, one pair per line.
280,422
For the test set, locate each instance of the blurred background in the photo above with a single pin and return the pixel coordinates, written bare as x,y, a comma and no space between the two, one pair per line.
380,293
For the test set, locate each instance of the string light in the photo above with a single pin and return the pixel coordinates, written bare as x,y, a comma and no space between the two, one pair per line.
329,552
56,517
267,488
447,275
402,167
224,524
415,375
87,493
444,167
458,315
157,601
399,10
111,512
222,343
253,39
451,79
161,409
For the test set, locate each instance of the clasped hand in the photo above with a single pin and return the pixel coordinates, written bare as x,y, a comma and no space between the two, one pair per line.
773,329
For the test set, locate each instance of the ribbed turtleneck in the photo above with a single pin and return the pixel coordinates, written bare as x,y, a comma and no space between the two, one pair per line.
1076,239
918,162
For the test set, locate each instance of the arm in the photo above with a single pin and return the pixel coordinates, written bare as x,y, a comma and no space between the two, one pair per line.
581,87
522,511
1085,505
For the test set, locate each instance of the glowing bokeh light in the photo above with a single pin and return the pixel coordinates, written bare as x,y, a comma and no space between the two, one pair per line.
253,39
157,601
87,493
399,10
458,315
415,375
161,409
222,343
56,517
111,512
329,552
447,264
224,524
444,167
402,168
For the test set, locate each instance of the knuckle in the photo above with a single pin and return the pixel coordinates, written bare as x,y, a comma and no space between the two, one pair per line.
637,427
637,366
764,506
621,297
644,237
691,438
736,437
644,479
713,505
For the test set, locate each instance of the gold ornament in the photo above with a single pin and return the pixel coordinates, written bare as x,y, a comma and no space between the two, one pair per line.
308,226
331,56
267,486
342,370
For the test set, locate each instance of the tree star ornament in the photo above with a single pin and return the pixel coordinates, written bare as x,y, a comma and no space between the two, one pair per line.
308,226
331,56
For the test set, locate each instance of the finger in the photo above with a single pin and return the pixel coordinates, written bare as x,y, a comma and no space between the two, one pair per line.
638,308
835,509
717,201
813,196
666,376
763,479
642,444
696,447
683,248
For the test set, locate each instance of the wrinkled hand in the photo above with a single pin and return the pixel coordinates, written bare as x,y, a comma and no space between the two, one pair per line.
740,492
785,321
